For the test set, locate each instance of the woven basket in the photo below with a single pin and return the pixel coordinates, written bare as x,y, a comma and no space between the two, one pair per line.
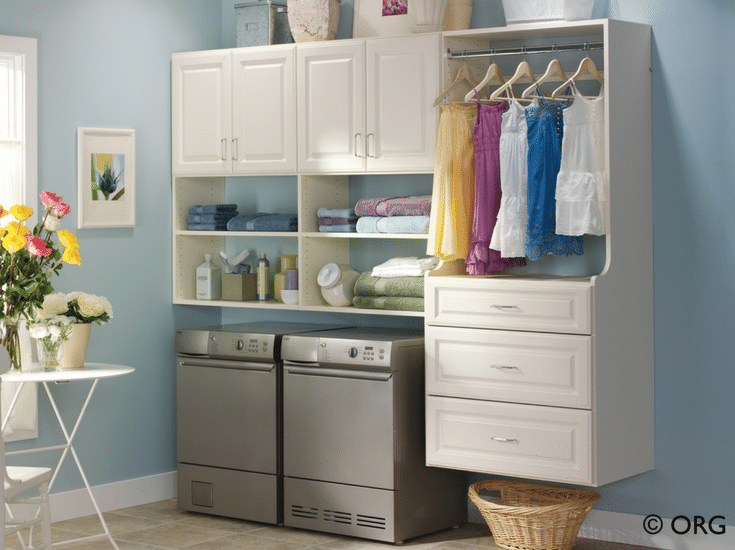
533,517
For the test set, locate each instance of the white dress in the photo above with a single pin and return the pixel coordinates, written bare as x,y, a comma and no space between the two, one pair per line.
581,186
509,235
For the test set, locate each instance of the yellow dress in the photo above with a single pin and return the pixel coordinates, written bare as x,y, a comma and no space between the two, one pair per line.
452,201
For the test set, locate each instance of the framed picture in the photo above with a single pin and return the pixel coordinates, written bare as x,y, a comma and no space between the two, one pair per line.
383,18
106,172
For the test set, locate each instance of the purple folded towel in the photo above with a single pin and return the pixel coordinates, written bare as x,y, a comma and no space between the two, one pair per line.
336,221
367,207
405,206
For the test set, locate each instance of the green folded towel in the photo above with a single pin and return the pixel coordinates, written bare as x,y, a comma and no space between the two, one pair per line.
410,287
400,303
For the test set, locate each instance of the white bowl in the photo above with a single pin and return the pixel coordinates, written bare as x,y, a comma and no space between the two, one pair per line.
290,297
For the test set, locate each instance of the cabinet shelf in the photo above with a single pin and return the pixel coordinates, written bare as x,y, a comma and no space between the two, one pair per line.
187,233
271,304
391,236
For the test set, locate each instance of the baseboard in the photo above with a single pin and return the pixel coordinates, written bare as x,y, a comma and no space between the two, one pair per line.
628,529
113,496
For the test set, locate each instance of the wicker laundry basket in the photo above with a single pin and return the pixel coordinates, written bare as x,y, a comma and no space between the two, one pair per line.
533,517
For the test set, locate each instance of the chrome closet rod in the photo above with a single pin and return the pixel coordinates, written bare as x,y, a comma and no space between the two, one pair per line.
523,50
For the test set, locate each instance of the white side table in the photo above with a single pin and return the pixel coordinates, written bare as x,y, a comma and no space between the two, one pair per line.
91,371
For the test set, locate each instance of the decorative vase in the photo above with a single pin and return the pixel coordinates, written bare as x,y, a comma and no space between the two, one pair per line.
313,20
75,347
50,354
11,342
458,15
429,15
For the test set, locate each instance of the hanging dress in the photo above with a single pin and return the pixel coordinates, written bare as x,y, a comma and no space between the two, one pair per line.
450,226
509,234
545,133
581,186
482,260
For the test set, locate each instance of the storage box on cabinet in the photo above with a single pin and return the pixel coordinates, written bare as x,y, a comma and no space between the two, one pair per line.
511,304
368,104
518,440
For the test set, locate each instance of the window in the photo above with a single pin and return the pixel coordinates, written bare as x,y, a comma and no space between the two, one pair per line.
18,122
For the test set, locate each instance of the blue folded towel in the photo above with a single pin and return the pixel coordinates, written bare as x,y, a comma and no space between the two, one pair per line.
368,224
220,217
403,224
239,222
341,228
212,208
260,221
207,227
325,212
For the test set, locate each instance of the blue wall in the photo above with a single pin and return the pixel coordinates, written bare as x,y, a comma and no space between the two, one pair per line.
106,63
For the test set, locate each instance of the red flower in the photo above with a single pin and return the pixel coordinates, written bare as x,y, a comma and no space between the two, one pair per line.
60,209
50,199
37,246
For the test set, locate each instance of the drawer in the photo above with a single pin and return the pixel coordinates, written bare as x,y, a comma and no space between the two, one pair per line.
543,306
522,367
508,439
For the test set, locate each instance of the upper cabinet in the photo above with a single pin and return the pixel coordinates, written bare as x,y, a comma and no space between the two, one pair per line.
367,105
234,111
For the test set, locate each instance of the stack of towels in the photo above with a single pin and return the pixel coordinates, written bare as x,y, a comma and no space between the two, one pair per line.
211,217
397,284
263,221
394,215
339,220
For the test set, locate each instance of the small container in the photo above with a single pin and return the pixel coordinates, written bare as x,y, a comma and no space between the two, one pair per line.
536,11
262,23
239,287
263,272
290,297
291,280
337,282
208,280
288,262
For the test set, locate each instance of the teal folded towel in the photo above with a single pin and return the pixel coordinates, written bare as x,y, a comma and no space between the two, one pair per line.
341,228
410,287
403,224
325,212
207,227
368,224
212,208
400,303
261,221
220,217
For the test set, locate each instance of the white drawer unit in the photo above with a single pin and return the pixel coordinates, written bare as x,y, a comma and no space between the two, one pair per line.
518,440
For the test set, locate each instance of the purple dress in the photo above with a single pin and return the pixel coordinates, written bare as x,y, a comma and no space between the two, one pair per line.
483,260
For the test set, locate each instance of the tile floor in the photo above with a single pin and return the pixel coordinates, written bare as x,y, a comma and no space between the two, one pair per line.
161,525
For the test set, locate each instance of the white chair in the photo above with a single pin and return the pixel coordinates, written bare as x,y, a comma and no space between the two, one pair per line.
17,480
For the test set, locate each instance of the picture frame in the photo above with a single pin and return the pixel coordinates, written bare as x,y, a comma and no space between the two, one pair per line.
106,178
368,20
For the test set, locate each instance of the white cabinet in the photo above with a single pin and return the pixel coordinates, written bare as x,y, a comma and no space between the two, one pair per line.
368,104
551,376
234,111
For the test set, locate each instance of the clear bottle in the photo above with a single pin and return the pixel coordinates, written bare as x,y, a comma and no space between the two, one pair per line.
263,280
209,280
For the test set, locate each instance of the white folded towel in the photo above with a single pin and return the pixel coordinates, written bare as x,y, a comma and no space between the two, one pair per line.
405,267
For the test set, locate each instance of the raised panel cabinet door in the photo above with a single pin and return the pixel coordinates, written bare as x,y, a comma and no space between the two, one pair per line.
331,107
403,80
201,120
264,110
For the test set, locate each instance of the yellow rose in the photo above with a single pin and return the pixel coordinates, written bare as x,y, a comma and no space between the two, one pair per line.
21,212
18,229
72,256
3,212
67,238
12,243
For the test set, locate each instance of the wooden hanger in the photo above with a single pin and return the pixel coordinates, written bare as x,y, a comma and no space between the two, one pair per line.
464,74
554,73
585,66
523,72
492,76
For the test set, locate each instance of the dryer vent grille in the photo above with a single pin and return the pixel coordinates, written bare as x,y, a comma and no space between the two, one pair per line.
337,516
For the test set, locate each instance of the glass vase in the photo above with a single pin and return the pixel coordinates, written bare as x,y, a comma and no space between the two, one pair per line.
50,354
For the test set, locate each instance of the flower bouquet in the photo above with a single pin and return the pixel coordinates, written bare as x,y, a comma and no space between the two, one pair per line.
28,260
50,333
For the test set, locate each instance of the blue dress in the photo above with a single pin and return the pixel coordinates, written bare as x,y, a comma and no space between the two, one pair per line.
545,129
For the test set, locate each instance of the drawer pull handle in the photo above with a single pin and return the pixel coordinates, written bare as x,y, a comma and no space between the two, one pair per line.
503,367
504,440
500,306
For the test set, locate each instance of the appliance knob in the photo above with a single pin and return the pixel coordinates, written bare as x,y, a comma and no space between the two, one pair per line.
240,345
353,352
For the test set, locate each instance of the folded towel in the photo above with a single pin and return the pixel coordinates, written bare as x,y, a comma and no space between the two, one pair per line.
405,206
411,287
208,227
337,221
212,208
343,228
368,207
400,303
221,217
325,212
261,221
368,224
403,224
405,267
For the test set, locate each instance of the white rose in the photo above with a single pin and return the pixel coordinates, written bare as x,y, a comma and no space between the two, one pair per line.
55,332
52,223
38,331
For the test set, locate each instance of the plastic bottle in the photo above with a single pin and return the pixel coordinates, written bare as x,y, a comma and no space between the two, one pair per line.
209,280
288,261
263,277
